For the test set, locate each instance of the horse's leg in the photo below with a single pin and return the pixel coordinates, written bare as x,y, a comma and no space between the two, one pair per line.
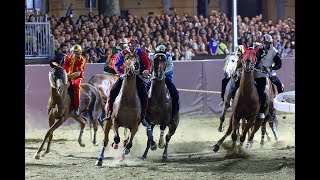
247,127
161,139
216,147
106,128
271,124
128,146
82,126
256,127
222,116
116,138
263,132
94,122
49,134
144,156
172,130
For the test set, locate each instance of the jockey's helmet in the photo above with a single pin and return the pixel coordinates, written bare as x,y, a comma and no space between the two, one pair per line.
267,38
124,41
134,40
76,48
240,50
161,48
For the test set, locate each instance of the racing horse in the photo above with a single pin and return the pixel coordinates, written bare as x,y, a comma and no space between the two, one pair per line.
60,107
245,104
160,107
229,73
232,71
126,109
103,82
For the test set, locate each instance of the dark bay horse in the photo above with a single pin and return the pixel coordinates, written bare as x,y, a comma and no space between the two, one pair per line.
126,108
60,107
160,107
245,104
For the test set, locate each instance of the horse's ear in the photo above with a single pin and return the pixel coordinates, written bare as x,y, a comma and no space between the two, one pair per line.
245,48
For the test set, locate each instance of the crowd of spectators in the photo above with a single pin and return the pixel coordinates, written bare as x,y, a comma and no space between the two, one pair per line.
185,35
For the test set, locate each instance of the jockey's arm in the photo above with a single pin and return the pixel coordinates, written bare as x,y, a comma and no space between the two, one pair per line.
277,62
118,64
146,61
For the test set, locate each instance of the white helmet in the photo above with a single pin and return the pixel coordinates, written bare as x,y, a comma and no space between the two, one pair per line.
267,38
161,48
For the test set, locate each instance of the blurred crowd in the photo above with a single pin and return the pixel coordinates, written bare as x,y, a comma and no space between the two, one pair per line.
185,35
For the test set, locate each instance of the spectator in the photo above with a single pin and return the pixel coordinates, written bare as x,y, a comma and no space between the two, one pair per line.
288,51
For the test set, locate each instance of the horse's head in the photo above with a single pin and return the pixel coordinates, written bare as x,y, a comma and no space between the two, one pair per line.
159,66
58,79
249,58
131,64
230,65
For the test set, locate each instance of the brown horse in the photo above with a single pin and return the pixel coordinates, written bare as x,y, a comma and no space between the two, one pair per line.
245,104
60,106
160,107
103,82
126,109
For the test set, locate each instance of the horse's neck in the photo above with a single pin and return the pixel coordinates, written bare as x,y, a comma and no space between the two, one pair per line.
158,90
247,85
129,87
57,97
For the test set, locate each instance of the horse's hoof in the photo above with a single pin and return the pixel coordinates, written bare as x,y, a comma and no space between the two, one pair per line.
95,144
126,151
164,157
161,146
220,129
82,144
99,162
215,148
36,156
153,146
143,158
114,145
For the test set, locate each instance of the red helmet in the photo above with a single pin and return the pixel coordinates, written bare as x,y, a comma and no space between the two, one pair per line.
124,41
134,40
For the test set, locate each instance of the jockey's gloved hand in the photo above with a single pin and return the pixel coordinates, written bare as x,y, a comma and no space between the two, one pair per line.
122,75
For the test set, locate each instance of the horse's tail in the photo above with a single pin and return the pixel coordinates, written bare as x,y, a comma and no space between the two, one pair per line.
98,106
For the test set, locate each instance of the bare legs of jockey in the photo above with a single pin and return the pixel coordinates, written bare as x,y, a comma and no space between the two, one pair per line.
114,92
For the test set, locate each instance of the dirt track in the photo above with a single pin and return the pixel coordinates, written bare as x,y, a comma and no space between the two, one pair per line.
68,160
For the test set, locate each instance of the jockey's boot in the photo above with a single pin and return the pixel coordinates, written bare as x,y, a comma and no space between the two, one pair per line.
143,119
77,111
108,117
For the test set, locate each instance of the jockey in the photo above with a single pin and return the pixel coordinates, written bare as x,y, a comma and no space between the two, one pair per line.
168,80
109,65
74,65
225,81
266,56
144,70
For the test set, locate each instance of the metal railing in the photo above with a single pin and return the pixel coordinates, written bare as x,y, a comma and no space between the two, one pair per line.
38,40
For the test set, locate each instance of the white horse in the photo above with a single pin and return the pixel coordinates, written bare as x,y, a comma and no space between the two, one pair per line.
229,74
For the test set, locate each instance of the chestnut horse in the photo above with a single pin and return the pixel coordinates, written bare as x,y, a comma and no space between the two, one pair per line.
103,82
160,107
245,104
60,106
126,109
232,68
